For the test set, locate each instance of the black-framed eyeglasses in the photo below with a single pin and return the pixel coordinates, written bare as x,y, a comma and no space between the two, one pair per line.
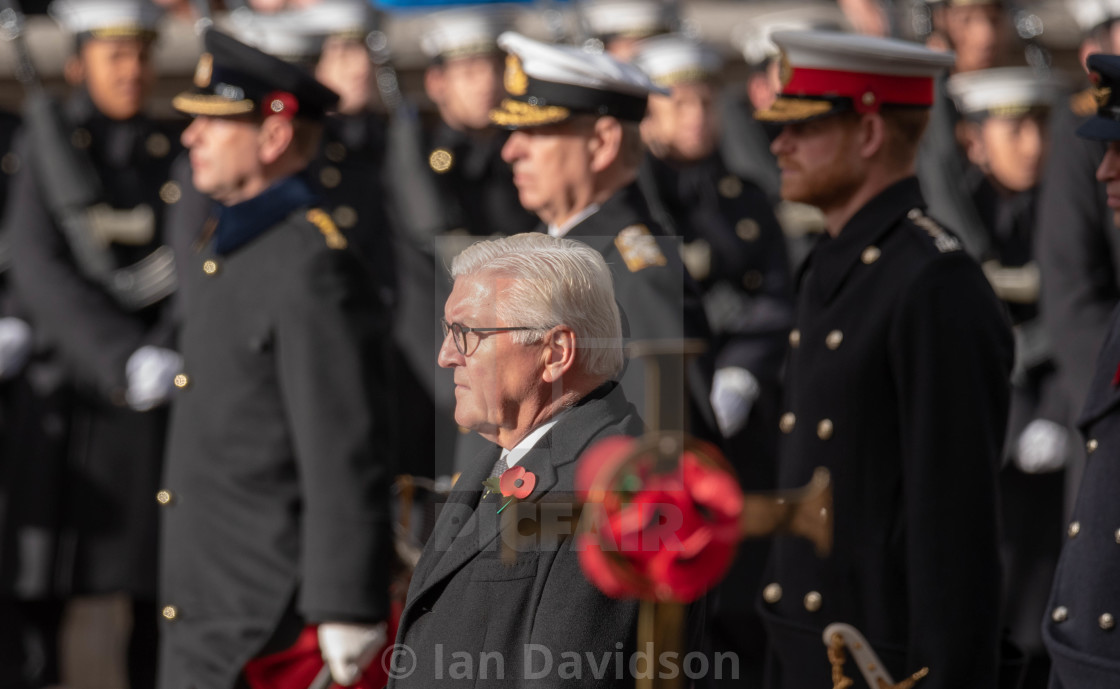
460,332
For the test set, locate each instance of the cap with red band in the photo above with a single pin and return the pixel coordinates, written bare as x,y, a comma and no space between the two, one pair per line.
824,73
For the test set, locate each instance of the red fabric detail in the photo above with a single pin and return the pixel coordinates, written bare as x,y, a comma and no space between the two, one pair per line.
288,107
296,666
1116,378
895,90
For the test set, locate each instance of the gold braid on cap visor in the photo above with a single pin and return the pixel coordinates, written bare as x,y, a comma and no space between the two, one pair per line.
514,113
212,105
793,109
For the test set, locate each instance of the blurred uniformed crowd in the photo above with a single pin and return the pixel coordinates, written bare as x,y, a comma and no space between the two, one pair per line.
103,230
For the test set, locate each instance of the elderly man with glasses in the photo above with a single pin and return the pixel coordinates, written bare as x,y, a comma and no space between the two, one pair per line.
533,337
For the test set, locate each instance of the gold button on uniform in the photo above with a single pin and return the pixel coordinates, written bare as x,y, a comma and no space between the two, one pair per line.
794,338
730,187
335,152
772,593
747,229
1092,445
210,267
157,145
1118,536
1074,529
824,429
1106,621
787,422
170,193
163,497
752,280
812,601
870,255
833,340
441,160
182,381
330,176
170,612
1060,614
345,217
9,164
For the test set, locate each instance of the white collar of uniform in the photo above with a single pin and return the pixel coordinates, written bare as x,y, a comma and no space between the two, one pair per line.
561,230
515,455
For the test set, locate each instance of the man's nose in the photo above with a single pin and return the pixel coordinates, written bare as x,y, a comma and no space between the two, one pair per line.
512,148
448,355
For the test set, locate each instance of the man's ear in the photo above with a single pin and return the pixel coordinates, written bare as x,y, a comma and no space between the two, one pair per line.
872,134
74,70
435,83
559,353
275,138
1088,47
605,144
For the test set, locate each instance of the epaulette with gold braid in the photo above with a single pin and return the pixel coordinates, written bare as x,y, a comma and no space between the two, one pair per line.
1083,103
322,220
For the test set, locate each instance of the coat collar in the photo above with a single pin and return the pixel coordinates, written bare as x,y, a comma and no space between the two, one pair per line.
243,222
833,257
625,207
465,528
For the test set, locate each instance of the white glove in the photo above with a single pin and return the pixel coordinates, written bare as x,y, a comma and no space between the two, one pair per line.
151,375
734,391
1043,447
15,346
348,649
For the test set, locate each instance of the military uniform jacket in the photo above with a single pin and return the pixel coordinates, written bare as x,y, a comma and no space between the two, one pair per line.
897,383
1080,626
86,500
657,298
276,486
733,248
463,599
1078,251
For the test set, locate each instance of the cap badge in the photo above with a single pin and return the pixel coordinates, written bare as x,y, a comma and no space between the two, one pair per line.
1101,95
516,81
281,103
785,69
204,70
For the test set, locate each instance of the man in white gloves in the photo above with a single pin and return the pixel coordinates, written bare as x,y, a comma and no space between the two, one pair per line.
276,520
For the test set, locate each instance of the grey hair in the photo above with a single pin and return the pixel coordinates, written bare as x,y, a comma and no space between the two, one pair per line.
556,282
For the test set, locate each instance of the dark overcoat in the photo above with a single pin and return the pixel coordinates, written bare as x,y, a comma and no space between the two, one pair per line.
463,599
898,384
1080,623
275,500
84,465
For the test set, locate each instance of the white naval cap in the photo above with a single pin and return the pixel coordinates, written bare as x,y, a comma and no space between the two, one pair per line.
281,34
627,18
548,83
349,18
752,38
1002,91
825,73
107,18
466,31
1090,14
672,59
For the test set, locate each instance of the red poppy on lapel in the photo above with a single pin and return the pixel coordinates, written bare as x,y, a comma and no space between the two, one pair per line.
518,483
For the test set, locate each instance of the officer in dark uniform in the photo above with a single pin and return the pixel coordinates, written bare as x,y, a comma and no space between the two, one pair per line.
1080,626
463,151
575,153
93,283
896,382
1005,113
733,247
275,498
1078,245
745,142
